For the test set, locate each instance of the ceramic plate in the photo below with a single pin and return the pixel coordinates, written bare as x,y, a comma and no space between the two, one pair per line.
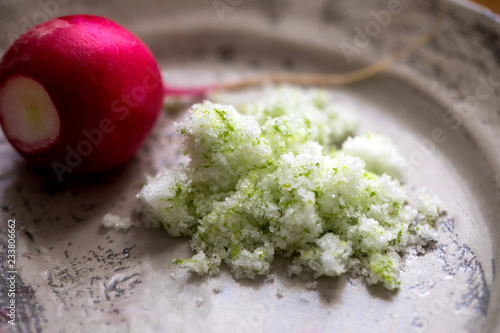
75,276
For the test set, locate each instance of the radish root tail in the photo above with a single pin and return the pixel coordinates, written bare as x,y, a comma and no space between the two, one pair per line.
332,79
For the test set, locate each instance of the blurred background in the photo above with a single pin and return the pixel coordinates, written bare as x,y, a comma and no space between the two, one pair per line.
494,5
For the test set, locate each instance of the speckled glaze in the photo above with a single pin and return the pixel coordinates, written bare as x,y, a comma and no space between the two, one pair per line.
75,276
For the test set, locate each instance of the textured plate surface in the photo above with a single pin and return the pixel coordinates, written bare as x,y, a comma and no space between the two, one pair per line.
75,276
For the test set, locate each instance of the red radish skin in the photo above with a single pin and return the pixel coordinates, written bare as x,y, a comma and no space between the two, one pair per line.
78,94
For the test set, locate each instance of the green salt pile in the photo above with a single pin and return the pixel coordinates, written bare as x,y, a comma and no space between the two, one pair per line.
280,179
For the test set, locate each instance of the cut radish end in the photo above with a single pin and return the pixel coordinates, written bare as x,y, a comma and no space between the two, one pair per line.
29,118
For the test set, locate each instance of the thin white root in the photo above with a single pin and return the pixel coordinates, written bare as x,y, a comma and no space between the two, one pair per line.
333,79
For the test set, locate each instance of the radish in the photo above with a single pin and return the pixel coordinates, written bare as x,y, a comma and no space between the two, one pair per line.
78,94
